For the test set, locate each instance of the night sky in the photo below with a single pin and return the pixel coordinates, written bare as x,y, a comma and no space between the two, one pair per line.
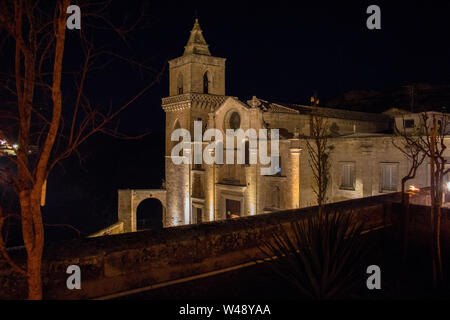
278,51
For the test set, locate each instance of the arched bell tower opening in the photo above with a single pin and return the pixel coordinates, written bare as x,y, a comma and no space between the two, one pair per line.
206,82
180,84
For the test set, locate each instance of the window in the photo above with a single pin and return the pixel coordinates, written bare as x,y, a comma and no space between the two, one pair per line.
446,186
180,83
206,82
408,124
247,152
273,198
278,173
235,121
389,176
347,176
233,209
174,143
197,214
197,187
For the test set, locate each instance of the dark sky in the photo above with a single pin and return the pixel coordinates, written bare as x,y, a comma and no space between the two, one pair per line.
284,51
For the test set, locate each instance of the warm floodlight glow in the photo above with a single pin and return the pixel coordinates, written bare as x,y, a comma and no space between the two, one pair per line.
211,212
186,209
413,188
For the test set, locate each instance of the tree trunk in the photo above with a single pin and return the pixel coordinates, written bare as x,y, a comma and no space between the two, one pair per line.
34,275
405,217
432,216
33,236
437,236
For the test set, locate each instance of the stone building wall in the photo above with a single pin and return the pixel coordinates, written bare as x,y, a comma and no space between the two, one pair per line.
367,153
291,121
193,68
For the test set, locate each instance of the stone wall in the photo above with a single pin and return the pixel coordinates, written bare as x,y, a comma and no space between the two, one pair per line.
116,228
116,263
419,223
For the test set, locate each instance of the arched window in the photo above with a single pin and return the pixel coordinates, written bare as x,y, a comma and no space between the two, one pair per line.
180,83
247,152
174,143
235,121
176,125
206,82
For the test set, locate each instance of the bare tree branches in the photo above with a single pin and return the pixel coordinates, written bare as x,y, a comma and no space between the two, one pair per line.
4,253
47,125
427,140
319,152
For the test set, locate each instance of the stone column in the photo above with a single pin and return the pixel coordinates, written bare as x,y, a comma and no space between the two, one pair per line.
251,172
178,196
209,214
293,175
210,176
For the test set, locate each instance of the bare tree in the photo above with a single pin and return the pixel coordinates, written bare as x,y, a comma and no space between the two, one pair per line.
319,151
428,140
408,146
47,125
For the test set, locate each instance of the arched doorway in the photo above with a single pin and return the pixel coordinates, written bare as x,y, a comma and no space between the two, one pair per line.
149,215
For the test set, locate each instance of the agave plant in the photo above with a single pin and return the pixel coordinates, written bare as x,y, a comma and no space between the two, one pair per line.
321,255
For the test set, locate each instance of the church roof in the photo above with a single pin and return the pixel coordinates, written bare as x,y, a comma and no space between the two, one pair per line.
196,43
267,106
346,114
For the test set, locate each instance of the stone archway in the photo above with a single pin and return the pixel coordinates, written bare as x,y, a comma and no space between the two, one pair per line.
149,215
129,201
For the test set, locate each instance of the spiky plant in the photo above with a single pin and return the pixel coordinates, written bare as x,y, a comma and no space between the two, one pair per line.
321,255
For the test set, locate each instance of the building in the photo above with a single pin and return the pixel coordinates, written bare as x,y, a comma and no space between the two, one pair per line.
364,161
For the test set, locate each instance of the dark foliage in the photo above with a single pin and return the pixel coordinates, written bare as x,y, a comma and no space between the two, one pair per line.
321,255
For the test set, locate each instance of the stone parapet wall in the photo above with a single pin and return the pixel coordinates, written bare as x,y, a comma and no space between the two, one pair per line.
116,263
116,228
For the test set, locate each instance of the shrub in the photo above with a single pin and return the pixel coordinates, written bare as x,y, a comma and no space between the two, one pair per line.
321,255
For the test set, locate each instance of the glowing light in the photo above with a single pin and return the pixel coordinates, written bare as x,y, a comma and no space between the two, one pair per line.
413,188
175,220
186,209
448,186
2,142
211,212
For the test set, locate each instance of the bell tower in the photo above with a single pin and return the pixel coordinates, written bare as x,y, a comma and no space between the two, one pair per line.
196,71
196,90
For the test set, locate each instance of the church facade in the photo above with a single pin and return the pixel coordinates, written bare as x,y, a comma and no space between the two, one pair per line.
364,161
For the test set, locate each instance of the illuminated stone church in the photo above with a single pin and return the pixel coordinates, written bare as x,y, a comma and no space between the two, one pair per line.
364,161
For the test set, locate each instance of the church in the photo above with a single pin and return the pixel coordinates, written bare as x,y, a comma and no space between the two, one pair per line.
364,161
